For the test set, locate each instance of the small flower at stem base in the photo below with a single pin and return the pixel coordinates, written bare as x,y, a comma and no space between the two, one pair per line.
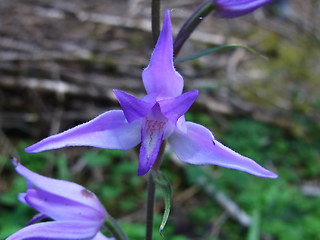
76,212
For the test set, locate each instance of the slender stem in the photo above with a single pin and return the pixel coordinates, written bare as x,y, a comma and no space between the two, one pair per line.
151,193
155,16
150,206
155,25
115,229
191,23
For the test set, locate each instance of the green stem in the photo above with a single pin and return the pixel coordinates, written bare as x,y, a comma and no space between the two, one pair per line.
150,206
155,20
151,193
115,229
191,23
155,24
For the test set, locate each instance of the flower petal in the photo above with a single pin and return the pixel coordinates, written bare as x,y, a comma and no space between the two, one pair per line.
100,236
160,77
133,108
152,133
108,130
198,146
236,8
36,218
64,189
61,208
174,108
62,230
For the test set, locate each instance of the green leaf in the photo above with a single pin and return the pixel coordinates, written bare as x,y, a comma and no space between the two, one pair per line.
114,227
161,180
217,49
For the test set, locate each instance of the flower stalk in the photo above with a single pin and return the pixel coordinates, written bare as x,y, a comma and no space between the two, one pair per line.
151,193
155,25
150,206
191,24
155,20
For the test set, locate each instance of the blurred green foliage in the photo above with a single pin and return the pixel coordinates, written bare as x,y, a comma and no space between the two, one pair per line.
278,207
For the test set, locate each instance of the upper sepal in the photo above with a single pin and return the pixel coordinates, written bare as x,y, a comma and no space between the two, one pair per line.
160,77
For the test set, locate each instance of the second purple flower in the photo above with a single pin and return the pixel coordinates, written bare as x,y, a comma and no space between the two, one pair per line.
76,212
236,8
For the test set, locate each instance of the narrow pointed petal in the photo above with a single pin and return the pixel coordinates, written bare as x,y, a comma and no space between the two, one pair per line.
152,133
198,146
108,130
160,76
64,189
100,236
36,218
174,108
60,208
62,230
236,8
132,107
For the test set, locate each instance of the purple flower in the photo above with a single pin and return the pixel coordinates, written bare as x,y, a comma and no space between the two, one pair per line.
77,212
236,8
156,117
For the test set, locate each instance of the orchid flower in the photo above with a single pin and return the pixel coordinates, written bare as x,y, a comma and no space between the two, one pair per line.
236,8
156,117
77,212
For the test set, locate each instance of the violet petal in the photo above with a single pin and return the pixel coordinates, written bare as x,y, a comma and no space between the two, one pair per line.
61,208
236,8
64,189
36,218
174,108
160,77
100,236
198,146
108,130
133,108
152,132
62,230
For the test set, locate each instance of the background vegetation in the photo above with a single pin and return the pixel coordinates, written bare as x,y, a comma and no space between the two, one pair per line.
60,60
